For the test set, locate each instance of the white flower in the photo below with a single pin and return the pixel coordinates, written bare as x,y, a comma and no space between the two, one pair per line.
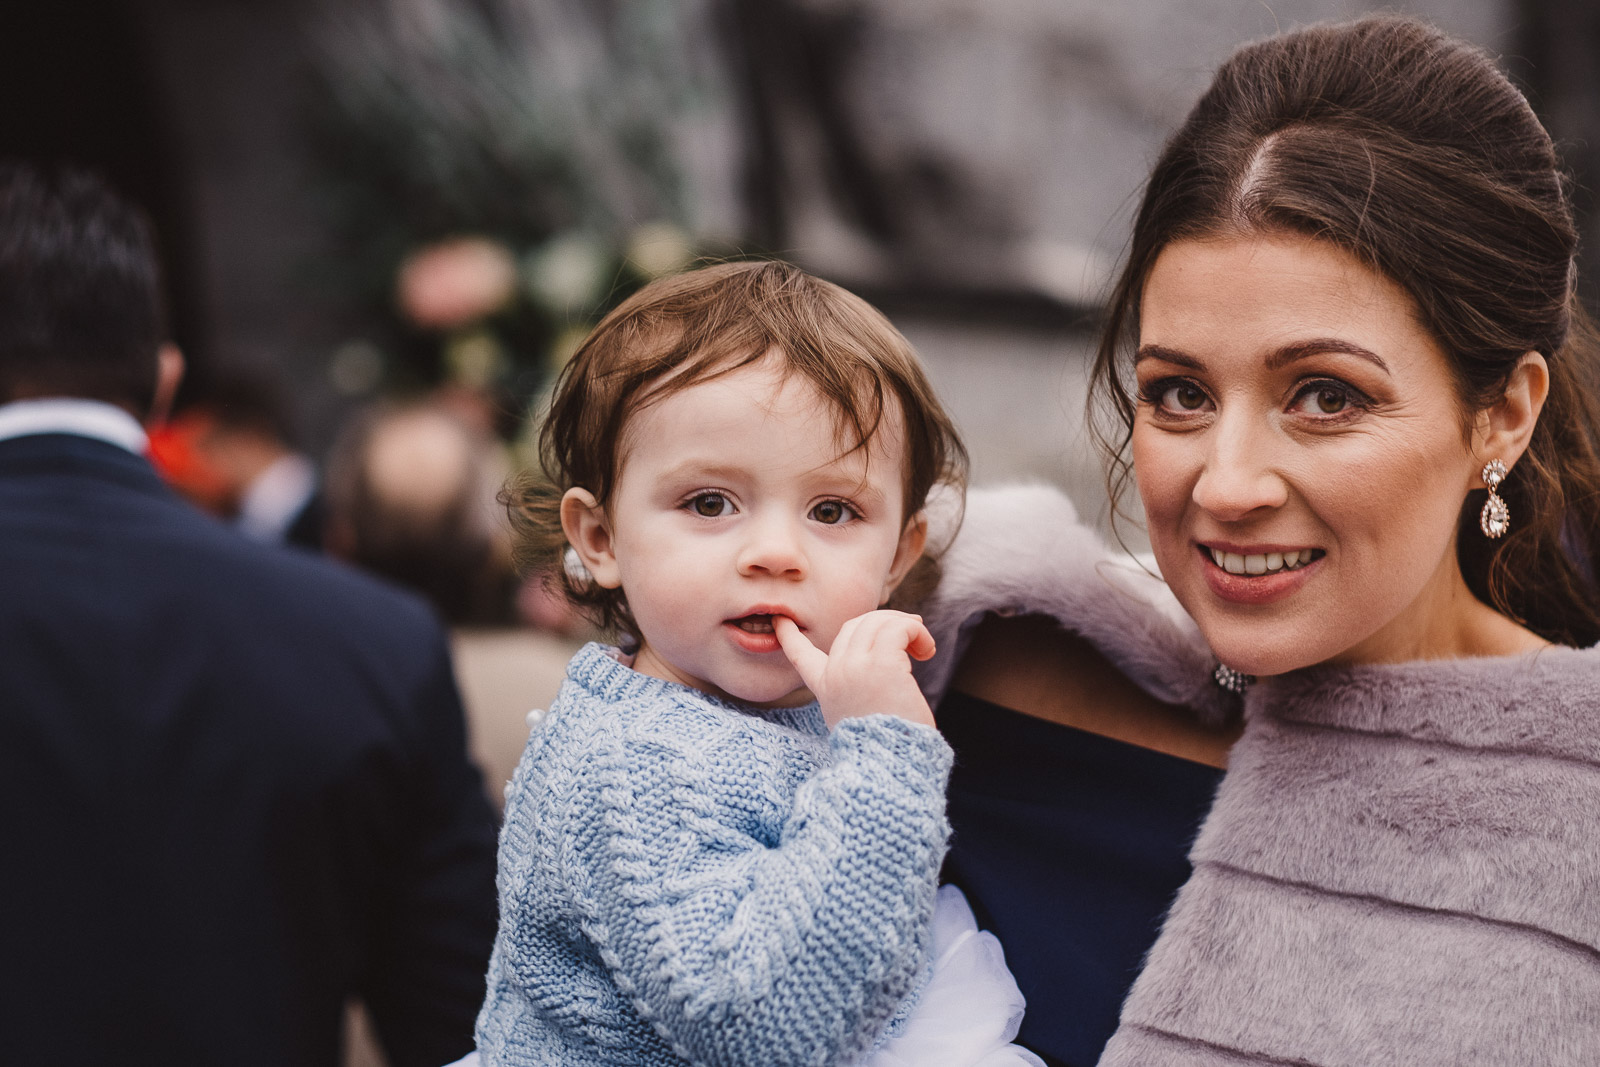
658,248
568,274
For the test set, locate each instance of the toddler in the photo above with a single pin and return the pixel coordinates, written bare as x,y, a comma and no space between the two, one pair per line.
722,845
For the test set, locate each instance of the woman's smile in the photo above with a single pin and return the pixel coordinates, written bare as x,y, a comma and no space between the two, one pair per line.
1261,577
1261,561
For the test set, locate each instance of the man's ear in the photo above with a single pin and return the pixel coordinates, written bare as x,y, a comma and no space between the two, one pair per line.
1503,429
169,374
584,522
913,539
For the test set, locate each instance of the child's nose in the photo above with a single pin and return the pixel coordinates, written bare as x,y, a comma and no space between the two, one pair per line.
772,548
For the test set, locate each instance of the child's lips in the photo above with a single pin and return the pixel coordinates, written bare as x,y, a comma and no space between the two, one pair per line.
753,630
748,633
758,620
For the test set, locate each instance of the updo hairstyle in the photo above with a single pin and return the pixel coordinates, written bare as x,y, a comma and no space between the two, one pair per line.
1413,152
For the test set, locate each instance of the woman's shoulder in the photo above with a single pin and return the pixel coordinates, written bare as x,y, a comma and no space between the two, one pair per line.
1032,665
1022,551
1545,702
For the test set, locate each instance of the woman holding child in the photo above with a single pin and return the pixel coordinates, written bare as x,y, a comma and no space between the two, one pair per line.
1347,356
1359,393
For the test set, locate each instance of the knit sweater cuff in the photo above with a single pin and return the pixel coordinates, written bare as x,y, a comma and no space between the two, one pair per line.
918,754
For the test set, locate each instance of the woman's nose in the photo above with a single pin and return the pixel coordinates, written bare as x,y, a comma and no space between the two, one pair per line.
772,547
1240,474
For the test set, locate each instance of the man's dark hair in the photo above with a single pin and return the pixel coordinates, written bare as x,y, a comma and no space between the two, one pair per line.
80,291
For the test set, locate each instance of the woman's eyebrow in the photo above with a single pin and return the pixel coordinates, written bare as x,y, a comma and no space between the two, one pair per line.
1170,355
1281,358
1302,349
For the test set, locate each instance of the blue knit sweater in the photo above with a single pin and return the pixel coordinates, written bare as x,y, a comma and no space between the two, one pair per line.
683,879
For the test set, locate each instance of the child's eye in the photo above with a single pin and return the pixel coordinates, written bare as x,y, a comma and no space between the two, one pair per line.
710,505
832,512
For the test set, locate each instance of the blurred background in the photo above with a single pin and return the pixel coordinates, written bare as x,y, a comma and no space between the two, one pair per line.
409,200
386,222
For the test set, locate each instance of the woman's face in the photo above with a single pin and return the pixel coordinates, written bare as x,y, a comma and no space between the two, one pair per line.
1300,452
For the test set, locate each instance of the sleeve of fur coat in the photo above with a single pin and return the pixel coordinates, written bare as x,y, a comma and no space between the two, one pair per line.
1022,551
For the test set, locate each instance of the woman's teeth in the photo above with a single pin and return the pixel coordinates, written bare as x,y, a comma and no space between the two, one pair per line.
756,624
1268,563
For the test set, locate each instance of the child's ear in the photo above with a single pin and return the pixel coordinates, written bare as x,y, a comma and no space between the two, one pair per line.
583,520
913,539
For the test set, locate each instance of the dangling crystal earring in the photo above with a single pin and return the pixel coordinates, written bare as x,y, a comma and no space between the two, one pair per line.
1495,519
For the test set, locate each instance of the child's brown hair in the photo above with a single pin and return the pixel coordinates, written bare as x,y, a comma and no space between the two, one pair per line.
683,330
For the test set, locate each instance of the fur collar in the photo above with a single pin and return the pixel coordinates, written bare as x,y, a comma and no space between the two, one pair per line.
1541,703
1022,551
1401,866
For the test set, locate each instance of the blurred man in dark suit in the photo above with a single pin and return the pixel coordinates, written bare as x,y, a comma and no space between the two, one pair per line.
233,783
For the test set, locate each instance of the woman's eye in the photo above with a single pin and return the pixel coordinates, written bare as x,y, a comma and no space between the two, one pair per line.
832,512
1183,396
710,505
1325,398
1175,399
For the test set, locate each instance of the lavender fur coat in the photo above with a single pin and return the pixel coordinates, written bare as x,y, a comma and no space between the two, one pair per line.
1402,865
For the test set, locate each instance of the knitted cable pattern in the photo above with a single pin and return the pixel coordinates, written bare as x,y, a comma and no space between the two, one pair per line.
685,880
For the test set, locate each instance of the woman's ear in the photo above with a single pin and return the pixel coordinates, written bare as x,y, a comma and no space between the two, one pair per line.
1503,429
913,539
584,522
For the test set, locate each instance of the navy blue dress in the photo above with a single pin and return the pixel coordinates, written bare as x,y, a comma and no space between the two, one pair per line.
1070,847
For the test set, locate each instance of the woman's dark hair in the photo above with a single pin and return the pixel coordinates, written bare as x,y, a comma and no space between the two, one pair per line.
1413,152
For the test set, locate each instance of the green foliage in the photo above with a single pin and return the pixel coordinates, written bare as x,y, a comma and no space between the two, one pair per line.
534,123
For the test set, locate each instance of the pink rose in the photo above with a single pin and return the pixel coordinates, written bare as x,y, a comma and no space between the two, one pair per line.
455,282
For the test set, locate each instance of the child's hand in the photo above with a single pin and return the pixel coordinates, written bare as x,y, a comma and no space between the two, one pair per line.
868,670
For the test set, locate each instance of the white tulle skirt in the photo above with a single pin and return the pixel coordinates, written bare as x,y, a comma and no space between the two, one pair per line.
971,1007
968,1012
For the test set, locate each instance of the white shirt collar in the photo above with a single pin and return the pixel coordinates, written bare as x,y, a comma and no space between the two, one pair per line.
276,497
84,418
